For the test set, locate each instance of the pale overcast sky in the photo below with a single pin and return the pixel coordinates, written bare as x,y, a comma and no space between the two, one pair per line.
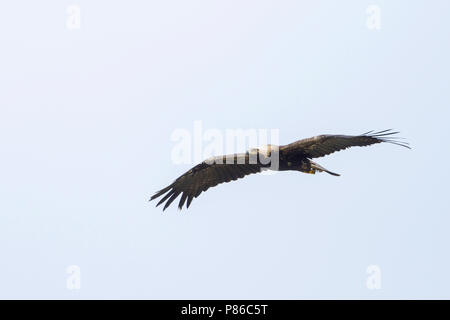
92,92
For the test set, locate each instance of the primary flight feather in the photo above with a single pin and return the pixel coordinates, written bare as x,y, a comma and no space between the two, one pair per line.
295,157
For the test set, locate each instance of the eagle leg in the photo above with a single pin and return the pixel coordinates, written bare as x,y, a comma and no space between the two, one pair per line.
317,167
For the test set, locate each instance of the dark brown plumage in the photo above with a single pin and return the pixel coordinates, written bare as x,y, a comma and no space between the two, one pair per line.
295,156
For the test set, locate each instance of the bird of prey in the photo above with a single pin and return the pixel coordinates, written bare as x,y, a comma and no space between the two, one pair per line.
295,156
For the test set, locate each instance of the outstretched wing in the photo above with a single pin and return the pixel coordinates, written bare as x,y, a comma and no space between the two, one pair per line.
205,175
323,145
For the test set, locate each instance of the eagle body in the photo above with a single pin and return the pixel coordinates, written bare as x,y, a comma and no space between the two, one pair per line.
296,156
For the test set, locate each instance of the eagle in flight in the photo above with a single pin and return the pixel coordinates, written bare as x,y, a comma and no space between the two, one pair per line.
295,156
